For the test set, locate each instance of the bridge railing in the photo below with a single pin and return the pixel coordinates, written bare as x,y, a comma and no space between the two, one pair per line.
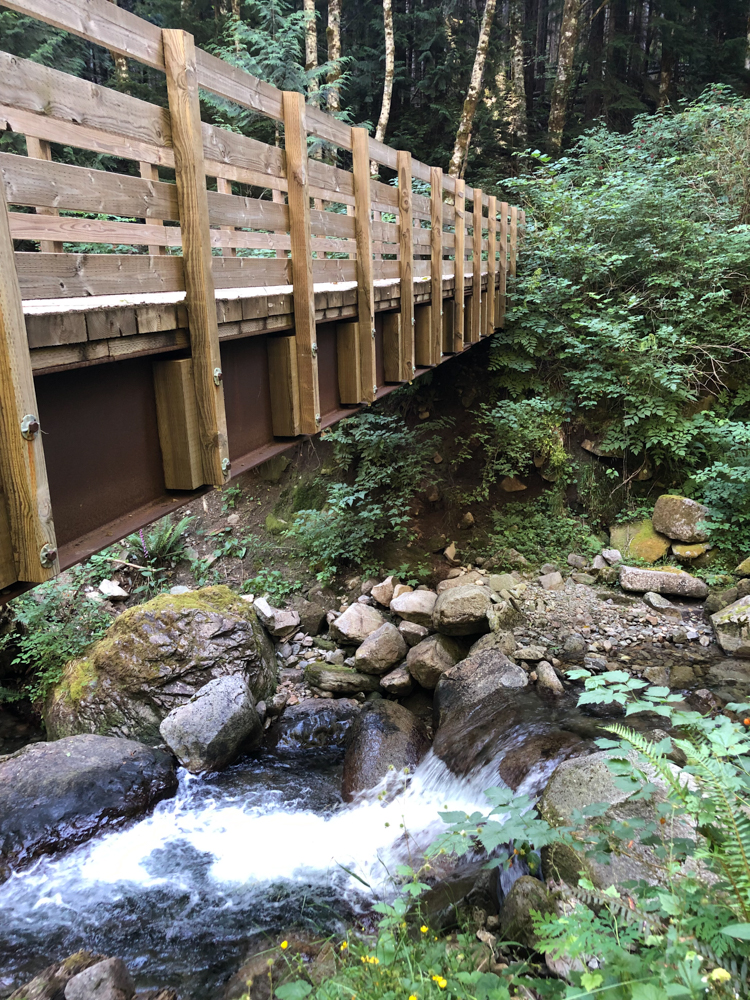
198,209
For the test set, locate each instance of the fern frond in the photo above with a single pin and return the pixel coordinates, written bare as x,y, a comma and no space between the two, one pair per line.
647,749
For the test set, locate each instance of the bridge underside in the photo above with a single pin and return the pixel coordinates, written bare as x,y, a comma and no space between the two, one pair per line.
94,361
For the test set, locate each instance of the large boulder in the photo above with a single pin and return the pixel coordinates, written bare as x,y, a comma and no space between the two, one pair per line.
398,682
339,680
474,679
516,921
312,615
279,622
354,625
429,659
462,611
155,657
107,980
386,738
314,723
680,518
662,581
381,650
209,731
415,607
639,539
505,642
587,781
732,627
50,983
53,795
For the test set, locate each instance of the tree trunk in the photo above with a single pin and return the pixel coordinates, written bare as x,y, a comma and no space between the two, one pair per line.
390,63
747,47
665,76
461,147
566,53
518,80
333,36
122,75
311,43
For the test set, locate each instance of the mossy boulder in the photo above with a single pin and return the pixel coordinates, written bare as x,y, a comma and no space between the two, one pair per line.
154,658
639,540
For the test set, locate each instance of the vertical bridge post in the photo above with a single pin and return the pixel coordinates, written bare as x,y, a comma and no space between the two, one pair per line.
190,173
295,142
491,262
460,254
476,269
28,551
436,265
365,286
406,270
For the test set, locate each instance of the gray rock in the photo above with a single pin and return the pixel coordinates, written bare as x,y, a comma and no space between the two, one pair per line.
502,581
732,628
503,616
552,581
107,980
427,661
661,604
49,984
474,679
662,581
576,561
730,679
516,922
547,679
53,795
209,731
383,592
462,611
680,518
312,616
156,656
574,649
715,602
532,653
612,556
380,650
398,682
386,738
280,623
415,607
505,642
461,580
356,623
413,633
585,781
657,673
314,723
114,592
339,680
586,579
548,568
599,562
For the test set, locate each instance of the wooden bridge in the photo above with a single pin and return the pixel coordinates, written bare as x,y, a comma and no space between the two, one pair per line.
261,293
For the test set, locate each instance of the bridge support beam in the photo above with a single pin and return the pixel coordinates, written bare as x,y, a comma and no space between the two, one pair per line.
28,550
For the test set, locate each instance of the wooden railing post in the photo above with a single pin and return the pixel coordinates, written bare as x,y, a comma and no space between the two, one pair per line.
460,254
503,264
149,172
476,269
436,264
200,298
223,186
365,286
406,269
22,469
491,263
513,239
39,149
295,141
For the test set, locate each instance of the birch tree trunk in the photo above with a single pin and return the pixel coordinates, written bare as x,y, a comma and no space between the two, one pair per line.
390,63
333,36
747,47
561,88
461,147
518,81
311,43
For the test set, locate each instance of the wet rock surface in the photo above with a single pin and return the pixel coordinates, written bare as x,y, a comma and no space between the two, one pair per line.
155,657
480,676
314,723
386,737
53,795
51,982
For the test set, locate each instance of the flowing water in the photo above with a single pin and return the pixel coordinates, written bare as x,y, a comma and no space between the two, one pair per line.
182,894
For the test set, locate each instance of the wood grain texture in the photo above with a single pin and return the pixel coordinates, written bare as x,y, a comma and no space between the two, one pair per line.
223,186
7,562
459,266
284,388
491,264
475,329
503,262
365,273
436,265
513,240
22,468
63,275
392,349
177,416
406,269
348,363
184,107
295,138
150,172
40,149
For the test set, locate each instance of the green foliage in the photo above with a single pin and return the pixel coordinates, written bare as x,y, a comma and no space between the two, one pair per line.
383,462
55,623
541,530
230,496
272,584
157,550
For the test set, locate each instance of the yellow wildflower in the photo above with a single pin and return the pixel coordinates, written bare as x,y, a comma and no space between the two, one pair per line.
424,929
720,976
412,997
343,946
284,945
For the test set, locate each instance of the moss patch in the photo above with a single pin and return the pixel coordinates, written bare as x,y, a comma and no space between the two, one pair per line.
80,679
639,540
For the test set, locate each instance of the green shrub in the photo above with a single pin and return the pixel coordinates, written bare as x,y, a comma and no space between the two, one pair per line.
542,530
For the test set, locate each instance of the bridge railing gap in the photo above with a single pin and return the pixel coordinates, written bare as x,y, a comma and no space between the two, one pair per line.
176,300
